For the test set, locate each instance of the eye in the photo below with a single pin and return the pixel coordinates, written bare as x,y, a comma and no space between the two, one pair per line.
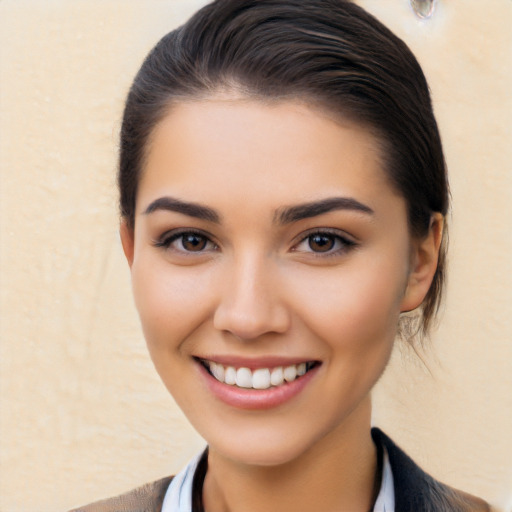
192,242
324,242
321,242
186,241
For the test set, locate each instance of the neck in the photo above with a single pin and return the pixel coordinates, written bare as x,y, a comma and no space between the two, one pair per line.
337,473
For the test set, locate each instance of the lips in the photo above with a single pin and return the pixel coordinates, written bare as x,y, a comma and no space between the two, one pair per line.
246,385
257,378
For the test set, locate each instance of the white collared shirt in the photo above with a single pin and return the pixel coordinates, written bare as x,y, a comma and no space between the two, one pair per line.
178,497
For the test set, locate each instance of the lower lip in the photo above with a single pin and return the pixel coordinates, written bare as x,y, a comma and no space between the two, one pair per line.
256,398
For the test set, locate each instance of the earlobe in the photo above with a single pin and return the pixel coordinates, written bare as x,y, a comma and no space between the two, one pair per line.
423,265
127,240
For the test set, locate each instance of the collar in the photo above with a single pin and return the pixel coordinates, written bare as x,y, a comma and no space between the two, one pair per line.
178,497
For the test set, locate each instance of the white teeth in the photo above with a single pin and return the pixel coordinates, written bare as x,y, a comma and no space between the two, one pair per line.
290,373
261,378
244,378
229,376
276,377
217,371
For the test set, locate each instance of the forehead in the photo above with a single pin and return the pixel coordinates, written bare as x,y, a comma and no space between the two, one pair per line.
279,152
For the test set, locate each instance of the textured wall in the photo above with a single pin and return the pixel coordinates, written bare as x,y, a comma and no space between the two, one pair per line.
83,414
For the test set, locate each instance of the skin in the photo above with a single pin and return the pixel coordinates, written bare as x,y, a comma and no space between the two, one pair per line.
256,287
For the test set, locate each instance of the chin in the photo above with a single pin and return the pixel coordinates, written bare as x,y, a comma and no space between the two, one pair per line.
265,446
264,455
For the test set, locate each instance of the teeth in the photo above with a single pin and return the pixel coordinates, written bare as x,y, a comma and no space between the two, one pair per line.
229,376
262,378
276,377
290,373
218,371
244,378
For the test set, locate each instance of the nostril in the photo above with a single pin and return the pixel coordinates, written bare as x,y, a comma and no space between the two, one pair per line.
248,323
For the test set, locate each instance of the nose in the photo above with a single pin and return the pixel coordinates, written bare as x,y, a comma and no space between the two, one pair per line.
251,301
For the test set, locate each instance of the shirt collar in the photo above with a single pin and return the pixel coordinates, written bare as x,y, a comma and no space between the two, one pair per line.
178,497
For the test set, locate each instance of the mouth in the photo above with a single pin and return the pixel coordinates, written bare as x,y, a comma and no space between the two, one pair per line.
257,378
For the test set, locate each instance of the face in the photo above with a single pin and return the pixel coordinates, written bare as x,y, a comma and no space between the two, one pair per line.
270,262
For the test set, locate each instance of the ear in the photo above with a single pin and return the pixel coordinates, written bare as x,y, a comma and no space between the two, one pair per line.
127,240
424,258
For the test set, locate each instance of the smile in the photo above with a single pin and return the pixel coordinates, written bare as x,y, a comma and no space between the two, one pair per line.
258,378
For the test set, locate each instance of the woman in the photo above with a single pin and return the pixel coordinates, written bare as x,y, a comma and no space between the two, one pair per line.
283,201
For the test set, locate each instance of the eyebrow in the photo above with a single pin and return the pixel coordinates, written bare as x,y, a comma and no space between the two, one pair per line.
285,215
308,210
191,209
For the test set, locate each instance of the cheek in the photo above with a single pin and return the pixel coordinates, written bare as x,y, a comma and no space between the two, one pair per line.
171,302
354,309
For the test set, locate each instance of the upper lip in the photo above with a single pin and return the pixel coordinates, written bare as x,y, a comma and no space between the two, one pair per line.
255,362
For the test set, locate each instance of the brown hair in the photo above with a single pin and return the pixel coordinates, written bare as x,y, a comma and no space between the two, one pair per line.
328,52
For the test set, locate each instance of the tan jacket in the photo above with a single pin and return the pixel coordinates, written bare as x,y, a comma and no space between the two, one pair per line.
415,491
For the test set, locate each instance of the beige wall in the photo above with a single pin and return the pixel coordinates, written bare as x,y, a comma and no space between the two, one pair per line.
83,414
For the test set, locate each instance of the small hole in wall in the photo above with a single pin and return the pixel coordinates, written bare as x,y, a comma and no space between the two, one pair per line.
423,8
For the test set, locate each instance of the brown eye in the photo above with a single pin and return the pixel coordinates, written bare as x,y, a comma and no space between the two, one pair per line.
186,242
193,242
324,243
321,242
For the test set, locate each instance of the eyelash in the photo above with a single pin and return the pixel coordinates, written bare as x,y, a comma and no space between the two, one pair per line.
344,243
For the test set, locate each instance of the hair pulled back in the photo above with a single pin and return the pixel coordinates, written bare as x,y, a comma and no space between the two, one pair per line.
328,52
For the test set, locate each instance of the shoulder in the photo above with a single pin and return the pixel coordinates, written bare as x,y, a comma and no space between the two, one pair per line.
416,490
147,498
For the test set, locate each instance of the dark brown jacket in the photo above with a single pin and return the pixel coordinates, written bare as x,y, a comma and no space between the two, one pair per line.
415,491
